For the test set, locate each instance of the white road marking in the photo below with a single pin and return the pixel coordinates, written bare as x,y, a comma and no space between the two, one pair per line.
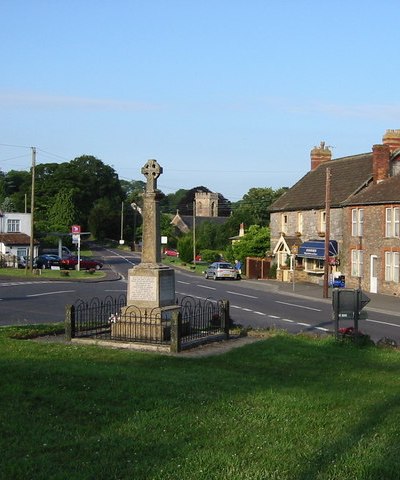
185,283
50,293
299,306
288,320
273,316
304,324
383,323
240,294
205,286
260,313
116,254
322,328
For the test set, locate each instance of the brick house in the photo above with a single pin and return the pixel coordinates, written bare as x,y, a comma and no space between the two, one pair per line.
364,218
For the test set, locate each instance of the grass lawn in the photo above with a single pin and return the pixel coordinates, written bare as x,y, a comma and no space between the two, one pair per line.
287,407
21,273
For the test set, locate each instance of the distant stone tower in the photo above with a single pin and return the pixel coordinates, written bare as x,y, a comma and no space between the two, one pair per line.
206,204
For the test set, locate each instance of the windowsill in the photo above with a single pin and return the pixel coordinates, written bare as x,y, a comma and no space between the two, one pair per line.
315,272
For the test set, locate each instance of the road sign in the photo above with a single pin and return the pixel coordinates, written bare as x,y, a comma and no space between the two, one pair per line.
76,229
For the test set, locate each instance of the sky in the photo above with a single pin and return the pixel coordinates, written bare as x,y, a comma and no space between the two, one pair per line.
226,94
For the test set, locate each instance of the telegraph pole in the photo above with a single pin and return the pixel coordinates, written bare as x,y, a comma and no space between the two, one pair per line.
327,230
194,232
31,246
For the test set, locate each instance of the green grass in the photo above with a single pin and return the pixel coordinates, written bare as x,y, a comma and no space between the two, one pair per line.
287,407
50,274
174,261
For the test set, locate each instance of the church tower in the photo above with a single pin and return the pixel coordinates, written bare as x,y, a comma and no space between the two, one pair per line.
206,204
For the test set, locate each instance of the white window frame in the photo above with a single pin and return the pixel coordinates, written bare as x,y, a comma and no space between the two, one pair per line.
313,265
396,222
13,225
357,222
392,267
357,263
392,222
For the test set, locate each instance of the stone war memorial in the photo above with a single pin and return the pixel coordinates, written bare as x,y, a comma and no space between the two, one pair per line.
151,285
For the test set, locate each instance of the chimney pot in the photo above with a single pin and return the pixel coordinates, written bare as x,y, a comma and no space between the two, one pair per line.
392,139
320,155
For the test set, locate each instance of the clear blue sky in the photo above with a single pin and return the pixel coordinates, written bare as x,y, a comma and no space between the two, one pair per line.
229,94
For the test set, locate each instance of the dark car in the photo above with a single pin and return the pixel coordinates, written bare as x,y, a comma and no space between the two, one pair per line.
222,270
46,261
71,262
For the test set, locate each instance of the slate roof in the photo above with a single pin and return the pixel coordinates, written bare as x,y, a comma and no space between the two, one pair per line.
348,176
15,239
384,192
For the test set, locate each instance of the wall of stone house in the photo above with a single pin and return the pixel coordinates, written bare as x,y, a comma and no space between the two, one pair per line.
373,242
311,225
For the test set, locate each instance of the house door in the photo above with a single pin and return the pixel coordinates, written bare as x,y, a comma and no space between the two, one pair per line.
373,283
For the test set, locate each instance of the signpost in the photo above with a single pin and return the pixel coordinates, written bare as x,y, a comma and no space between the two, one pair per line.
76,238
347,304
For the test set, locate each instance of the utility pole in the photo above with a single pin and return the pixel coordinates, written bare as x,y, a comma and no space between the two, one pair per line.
31,246
327,230
194,232
122,224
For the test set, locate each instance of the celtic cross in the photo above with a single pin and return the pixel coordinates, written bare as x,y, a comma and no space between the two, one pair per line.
151,171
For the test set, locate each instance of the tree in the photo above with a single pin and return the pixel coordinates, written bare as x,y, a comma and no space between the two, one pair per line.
254,243
253,208
62,213
185,248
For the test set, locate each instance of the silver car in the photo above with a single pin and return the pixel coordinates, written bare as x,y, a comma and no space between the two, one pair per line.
221,270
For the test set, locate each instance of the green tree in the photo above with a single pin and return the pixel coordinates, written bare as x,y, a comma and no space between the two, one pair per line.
185,248
254,243
105,219
253,208
62,213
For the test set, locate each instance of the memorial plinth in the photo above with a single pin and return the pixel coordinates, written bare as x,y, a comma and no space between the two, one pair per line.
151,285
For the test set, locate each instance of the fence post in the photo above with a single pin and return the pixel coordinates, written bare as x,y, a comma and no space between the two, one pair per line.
225,320
69,322
176,331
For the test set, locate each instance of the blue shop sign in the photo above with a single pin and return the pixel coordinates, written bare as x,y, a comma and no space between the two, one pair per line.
316,249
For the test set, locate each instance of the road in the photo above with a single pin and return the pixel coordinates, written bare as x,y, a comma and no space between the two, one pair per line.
252,304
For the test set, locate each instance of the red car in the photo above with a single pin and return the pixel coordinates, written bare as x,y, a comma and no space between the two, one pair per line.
170,252
71,262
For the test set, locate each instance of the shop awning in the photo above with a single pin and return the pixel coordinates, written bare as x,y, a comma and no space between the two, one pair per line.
316,249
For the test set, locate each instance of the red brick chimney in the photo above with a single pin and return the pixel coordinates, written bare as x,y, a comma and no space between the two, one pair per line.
380,162
320,155
392,139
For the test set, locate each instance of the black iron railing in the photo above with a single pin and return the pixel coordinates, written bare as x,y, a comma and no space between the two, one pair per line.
188,322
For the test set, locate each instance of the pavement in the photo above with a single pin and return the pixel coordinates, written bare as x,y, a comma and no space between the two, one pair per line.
378,302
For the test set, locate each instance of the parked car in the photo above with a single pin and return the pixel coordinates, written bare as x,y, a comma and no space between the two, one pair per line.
23,261
46,261
221,270
65,251
71,262
171,252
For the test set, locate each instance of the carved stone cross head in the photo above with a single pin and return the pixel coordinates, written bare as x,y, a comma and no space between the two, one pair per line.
152,170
